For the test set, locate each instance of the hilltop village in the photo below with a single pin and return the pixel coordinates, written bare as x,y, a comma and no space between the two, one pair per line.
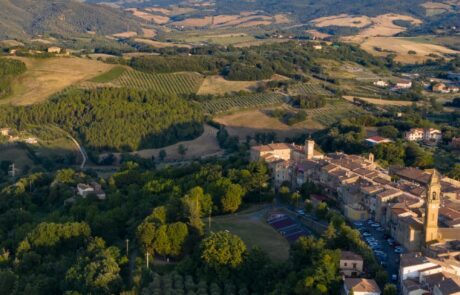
418,209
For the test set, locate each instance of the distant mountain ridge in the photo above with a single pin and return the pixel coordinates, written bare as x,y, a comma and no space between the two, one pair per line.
26,18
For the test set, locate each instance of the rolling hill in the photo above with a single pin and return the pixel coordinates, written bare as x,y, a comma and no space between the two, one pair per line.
26,18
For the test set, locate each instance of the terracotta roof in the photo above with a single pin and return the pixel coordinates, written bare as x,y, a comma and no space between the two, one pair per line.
412,258
362,285
449,213
348,255
413,174
448,286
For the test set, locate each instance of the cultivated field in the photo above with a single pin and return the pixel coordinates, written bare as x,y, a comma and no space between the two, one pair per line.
385,102
402,46
175,83
250,122
217,85
160,44
234,103
46,76
308,89
254,231
381,25
204,146
332,113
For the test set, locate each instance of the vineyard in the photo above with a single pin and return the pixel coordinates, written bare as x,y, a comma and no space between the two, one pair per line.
371,91
309,89
176,83
233,103
333,113
174,283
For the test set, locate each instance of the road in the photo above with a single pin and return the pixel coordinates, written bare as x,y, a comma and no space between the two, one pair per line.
82,151
391,261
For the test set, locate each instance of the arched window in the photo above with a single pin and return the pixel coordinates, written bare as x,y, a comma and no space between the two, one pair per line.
435,196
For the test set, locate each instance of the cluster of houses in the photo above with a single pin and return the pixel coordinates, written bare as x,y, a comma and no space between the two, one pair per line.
7,132
420,274
419,209
428,135
351,268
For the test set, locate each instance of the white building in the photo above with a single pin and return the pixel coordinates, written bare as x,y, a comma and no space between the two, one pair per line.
5,131
432,134
404,84
381,83
415,134
93,188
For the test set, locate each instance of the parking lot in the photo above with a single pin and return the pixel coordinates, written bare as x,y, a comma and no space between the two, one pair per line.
386,250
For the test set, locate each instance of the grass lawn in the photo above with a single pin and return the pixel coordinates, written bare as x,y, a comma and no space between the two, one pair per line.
110,75
254,231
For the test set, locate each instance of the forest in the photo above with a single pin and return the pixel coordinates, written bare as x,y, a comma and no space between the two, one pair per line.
113,119
9,68
54,242
254,63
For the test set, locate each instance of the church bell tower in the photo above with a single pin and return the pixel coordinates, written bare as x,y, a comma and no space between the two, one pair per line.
432,204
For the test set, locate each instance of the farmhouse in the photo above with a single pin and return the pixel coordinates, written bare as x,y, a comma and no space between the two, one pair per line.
381,83
5,131
415,134
361,287
427,134
31,140
403,84
443,88
85,190
351,264
54,49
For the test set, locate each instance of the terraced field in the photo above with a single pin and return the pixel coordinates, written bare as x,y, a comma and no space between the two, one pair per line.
370,91
233,103
332,113
309,89
176,83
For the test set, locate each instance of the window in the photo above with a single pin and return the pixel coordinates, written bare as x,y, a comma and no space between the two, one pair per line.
344,264
354,265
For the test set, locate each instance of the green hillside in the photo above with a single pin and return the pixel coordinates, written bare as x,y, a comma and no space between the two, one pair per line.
25,18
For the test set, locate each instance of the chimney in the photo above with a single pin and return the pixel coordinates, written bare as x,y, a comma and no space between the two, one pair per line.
309,149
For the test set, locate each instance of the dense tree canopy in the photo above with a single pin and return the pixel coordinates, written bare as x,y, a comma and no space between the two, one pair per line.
113,119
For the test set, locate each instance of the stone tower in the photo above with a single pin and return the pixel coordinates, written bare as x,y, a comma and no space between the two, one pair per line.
309,149
432,204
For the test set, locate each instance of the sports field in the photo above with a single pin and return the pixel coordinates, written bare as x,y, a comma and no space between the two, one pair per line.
251,227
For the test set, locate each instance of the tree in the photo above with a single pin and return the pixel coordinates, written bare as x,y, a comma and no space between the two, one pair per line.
321,210
455,172
231,200
177,234
161,243
158,216
182,150
145,236
222,249
388,131
162,155
390,289
96,270
8,282
192,210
